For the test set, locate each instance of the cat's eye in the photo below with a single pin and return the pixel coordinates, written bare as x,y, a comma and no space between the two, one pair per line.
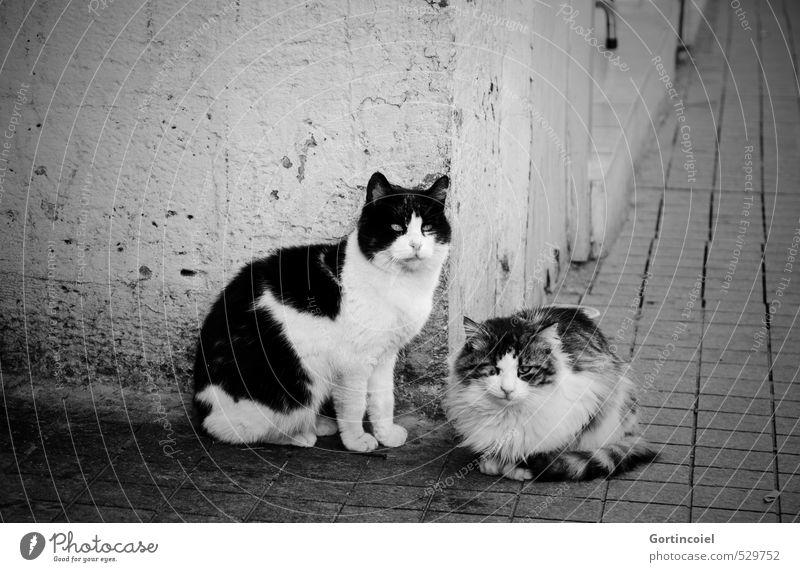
397,228
524,369
427,227
488,370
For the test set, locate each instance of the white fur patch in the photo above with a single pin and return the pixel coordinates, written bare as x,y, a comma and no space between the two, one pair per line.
547,418
245,421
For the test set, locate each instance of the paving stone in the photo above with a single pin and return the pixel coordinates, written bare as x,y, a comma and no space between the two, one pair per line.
733,404
658,473
461,471
644,491
732,458
744,421
719,515
653,398
130,469
366,514
472,502
321,465
668,434
582,490
789,483
168,515
290,486
24,488
742,440
558,507
622,511
673,453
98,513
60,462
732,499
435,516
788,464
262,459
790,506
764,478
788,442
295,511
389,496
422,474
125,495
231,505
30,512
252,478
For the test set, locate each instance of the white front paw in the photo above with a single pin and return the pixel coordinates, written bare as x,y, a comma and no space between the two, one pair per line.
518,474
304,439
394,436
488,466
325,426
362,443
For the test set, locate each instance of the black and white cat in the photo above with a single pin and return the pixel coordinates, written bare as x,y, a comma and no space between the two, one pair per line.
309,323
541,395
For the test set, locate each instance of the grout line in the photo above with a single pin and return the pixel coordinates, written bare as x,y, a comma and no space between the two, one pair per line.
168,497
88,483
356,482
767,315
249,514
716,182
438,480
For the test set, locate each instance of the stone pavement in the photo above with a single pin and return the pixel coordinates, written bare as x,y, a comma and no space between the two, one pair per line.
698,292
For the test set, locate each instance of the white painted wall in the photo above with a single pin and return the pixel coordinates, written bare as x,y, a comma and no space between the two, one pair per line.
159,145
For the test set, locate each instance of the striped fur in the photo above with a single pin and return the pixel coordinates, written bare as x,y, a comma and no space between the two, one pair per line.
540,394
586,465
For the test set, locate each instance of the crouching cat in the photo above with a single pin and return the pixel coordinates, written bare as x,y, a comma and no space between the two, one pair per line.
540,395
309,323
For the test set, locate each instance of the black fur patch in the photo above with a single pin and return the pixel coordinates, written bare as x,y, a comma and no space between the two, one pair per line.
306,278
243,350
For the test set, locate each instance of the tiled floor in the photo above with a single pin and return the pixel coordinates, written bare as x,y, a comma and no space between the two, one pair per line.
698,292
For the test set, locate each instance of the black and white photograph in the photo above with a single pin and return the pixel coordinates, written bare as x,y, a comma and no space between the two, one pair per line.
413,261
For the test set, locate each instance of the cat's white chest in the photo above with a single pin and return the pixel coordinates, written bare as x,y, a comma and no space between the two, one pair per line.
385,315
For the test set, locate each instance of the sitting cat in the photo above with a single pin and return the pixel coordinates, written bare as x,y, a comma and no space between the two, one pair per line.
540,395
309,323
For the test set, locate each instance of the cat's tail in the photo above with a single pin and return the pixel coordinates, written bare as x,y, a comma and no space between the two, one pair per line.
587,465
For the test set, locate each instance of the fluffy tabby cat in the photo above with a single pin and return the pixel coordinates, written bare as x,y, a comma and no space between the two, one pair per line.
310,323
540,395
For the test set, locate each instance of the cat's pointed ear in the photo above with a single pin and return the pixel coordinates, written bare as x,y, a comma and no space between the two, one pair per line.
473,328
378,187
549,334
438,190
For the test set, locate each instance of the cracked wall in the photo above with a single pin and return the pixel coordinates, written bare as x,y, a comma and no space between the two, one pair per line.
158,146
161,145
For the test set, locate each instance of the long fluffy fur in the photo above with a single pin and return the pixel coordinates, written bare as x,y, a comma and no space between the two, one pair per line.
576,421
586,465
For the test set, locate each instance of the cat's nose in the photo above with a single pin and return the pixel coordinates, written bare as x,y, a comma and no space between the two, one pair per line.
414,243
507,392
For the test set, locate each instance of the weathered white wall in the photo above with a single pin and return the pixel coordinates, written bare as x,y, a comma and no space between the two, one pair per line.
512,161
162,144
159,145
